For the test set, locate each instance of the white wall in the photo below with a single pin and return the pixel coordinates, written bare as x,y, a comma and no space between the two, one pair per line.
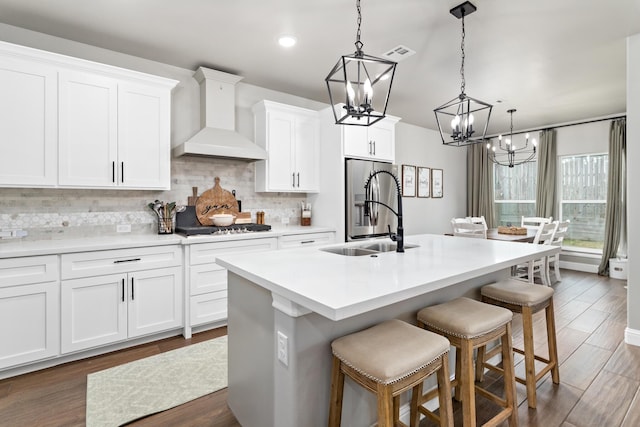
418,146
633,176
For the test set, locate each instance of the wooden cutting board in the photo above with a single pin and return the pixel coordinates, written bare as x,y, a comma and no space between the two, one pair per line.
216,200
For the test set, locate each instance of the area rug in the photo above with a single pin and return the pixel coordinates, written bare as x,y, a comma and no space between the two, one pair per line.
137,389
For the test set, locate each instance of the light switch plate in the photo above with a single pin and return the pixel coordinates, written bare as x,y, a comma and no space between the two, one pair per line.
283,348
123,228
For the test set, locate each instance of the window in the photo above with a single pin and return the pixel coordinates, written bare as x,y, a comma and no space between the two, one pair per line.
514,192
583,198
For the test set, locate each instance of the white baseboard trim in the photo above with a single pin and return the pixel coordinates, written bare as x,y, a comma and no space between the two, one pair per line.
632,337
579,266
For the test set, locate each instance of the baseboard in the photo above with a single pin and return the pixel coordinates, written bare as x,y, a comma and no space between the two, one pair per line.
632,337
579,266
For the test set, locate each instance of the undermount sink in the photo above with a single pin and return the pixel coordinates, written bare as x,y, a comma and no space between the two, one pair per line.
350,251
385,246
366,249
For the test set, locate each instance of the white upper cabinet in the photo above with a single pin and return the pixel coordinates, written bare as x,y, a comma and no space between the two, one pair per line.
375,142
28,123
81,124
290,135
88,141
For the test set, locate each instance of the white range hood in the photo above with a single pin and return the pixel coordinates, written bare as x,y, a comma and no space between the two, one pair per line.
218,137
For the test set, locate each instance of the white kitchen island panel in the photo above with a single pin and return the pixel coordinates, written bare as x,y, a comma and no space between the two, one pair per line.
321,296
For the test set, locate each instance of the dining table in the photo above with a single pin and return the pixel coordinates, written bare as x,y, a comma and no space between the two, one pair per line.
492,234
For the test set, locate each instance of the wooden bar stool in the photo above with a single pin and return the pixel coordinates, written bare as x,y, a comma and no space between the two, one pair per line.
470,324
389,359
527,299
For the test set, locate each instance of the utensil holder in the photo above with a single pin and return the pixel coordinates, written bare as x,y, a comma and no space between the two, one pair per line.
166,224
305,217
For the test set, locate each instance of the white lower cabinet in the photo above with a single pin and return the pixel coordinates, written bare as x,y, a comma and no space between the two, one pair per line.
105,308
29,310
208,281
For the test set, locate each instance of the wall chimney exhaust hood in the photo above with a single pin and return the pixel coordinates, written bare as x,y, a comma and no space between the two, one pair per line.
218,137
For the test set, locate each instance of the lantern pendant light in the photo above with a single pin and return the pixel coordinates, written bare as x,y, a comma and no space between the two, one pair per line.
508,153
459,119
359,85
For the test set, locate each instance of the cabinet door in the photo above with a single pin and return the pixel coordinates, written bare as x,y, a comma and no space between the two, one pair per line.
28,124
143,137
356,143
382,141
94,311
155,301
29,323
307,154
88,130
280,137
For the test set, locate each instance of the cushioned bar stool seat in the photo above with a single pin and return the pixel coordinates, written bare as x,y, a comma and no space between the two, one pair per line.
389,359
470,324
527,299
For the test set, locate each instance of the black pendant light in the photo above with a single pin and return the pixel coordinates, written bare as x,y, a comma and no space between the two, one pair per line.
359,85
507,153
459,119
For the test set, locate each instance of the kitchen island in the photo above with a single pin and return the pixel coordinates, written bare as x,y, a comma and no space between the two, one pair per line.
285,308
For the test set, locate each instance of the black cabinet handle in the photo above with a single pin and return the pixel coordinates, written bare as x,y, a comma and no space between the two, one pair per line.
133,296
118,261
113,171
293,179
298,179
304,242
123,290
122,171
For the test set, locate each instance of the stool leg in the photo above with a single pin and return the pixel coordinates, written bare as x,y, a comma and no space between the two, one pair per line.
509,376
385,406
337,388
457,393
480,363
552,342
444,394
529,358
467,385
416,394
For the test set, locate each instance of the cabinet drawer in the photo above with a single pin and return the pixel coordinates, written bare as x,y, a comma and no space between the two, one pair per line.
209,307
98,263
208,278
207,252
23,271
308,239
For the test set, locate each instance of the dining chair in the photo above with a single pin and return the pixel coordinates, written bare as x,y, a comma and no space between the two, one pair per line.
469,229
534,221
479,220
540,266
558,238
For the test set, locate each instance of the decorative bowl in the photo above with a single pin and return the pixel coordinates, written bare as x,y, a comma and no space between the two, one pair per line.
222,220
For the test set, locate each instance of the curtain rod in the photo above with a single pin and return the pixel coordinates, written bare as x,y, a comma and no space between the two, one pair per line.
566,125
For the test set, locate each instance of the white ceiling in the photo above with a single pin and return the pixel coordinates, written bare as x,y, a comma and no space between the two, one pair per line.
556,61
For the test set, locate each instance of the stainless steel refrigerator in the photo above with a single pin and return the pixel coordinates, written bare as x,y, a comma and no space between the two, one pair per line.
360,224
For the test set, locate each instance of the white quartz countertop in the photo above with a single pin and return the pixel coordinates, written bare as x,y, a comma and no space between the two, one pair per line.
19,247
338,287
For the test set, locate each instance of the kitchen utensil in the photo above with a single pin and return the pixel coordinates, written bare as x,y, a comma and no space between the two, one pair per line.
215,201
222,220
191,200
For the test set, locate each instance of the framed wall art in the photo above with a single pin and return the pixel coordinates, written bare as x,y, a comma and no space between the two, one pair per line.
408,181
437,183
424,182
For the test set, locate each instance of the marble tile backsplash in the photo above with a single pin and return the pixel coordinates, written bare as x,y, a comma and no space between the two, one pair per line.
69,213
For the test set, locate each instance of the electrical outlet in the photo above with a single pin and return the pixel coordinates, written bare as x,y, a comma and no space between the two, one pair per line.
283,348
123,228
285,220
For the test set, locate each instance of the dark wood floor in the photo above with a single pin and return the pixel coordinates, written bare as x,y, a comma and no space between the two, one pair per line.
599,374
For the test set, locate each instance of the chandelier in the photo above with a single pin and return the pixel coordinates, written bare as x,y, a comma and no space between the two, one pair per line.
463,115
507,153
359,85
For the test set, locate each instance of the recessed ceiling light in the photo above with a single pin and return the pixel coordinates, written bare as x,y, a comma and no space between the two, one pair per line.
287,41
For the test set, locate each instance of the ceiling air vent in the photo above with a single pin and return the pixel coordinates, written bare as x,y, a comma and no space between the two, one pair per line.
398,53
